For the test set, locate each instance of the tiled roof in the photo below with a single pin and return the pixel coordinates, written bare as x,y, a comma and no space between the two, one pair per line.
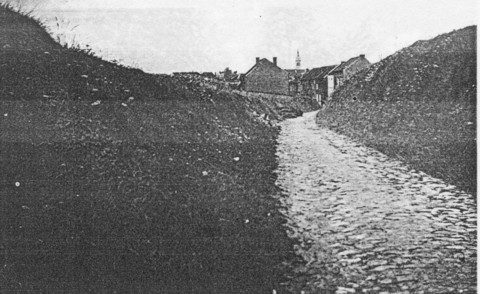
318,72
295,71
263,61
347,63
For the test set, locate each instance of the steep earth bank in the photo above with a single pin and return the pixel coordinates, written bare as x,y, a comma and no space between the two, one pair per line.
113,180
417,105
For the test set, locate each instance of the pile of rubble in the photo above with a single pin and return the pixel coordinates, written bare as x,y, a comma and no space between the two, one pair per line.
191,85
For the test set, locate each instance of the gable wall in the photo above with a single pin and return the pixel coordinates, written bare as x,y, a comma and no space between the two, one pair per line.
267,79
355,67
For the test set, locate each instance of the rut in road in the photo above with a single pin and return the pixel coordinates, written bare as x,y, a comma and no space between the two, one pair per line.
369,224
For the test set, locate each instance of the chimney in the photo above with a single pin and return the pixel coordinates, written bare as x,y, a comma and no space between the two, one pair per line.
257,60
362,55
275,60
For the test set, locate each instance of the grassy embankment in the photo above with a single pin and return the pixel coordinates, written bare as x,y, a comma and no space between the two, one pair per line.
163,186
417,105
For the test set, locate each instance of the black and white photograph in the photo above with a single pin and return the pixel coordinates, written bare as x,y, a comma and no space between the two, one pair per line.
228,146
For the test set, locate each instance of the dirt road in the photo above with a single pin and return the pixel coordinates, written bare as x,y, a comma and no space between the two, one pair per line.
369,224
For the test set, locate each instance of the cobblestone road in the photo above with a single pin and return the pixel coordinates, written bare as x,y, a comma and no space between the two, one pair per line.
369,224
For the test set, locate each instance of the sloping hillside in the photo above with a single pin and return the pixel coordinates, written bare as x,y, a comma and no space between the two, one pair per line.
113,180
417,105
443,68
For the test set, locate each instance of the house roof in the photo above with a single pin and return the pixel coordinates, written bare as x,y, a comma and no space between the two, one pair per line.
318,72
347,63
263,61
294,72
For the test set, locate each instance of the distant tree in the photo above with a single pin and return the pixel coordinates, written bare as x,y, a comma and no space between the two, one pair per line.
227,74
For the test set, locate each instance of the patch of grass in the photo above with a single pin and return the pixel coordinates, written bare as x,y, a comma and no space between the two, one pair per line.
437,137
128,181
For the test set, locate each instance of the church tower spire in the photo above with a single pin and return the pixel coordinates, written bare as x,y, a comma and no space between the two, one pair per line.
298,61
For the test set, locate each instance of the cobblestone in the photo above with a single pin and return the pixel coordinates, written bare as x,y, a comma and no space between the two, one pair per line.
370,221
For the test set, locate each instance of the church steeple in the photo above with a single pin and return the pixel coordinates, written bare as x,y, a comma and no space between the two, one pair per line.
298,61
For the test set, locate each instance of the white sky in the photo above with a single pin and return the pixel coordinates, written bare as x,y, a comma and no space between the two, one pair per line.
209,35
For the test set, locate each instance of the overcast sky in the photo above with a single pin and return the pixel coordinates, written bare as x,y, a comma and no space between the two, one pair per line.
164,36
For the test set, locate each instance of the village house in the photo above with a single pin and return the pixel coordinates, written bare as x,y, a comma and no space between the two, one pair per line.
266,77
347,69
295,76
321,82
294,80
316,84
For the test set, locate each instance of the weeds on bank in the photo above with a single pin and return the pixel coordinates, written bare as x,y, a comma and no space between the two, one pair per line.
117,180
438,137
418,105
